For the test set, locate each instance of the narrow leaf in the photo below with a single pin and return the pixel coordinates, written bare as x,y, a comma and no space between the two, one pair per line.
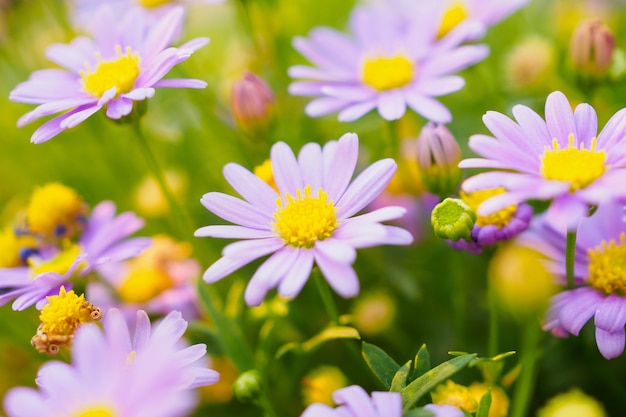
484,405
401,378
422,363
381,364
327,334
422,385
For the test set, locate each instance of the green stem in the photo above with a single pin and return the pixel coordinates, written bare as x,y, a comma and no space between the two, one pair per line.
181,223
393,140
244,13
494,319
326,296
526,381
570,253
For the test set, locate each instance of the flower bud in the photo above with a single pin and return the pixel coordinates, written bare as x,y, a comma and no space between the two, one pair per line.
453,219
438,156
591,48
247,387
252,103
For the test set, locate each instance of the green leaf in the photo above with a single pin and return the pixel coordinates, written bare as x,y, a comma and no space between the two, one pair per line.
327,334
484,405
422,363
401,378
381,364
412,393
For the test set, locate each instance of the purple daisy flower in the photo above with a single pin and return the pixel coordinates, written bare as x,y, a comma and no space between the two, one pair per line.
103,240
599,273
124,63
159,280
83,12
502,225
562,159
388,63
149,372
310,219
353,401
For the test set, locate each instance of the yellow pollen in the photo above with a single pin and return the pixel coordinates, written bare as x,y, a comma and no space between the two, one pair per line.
607,266
386,73
304,220
60,263
455,14
264,171
500,218
55,210
96,411
579,166
153,3
130,358
120,73
11,245
65,312
143,284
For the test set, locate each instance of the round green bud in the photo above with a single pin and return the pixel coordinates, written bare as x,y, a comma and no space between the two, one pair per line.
453,219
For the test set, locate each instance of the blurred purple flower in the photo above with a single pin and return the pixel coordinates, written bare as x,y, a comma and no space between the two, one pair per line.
84,12
159,280
559,159
310,218
114,371
104,240
353,401
599,272
123,63
388,62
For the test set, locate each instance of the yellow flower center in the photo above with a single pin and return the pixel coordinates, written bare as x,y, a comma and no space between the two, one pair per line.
607,266
500,218
143,284
55,210
97,411
579,166
153,3
386,73
65,312
264,171
303,220
120,73
456,395
455,14
12,246
60,263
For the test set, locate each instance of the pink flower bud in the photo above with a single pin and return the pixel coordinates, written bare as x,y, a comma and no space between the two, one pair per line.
252,103
438,156
592,47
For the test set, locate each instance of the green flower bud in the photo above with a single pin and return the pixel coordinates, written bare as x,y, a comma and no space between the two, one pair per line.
247,387
438,156
453,219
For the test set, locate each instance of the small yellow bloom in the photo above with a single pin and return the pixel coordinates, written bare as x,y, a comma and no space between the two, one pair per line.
60,318
318,386
455,395
499,400
573,403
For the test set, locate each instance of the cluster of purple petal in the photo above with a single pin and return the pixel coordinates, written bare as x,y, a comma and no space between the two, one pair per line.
149,371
